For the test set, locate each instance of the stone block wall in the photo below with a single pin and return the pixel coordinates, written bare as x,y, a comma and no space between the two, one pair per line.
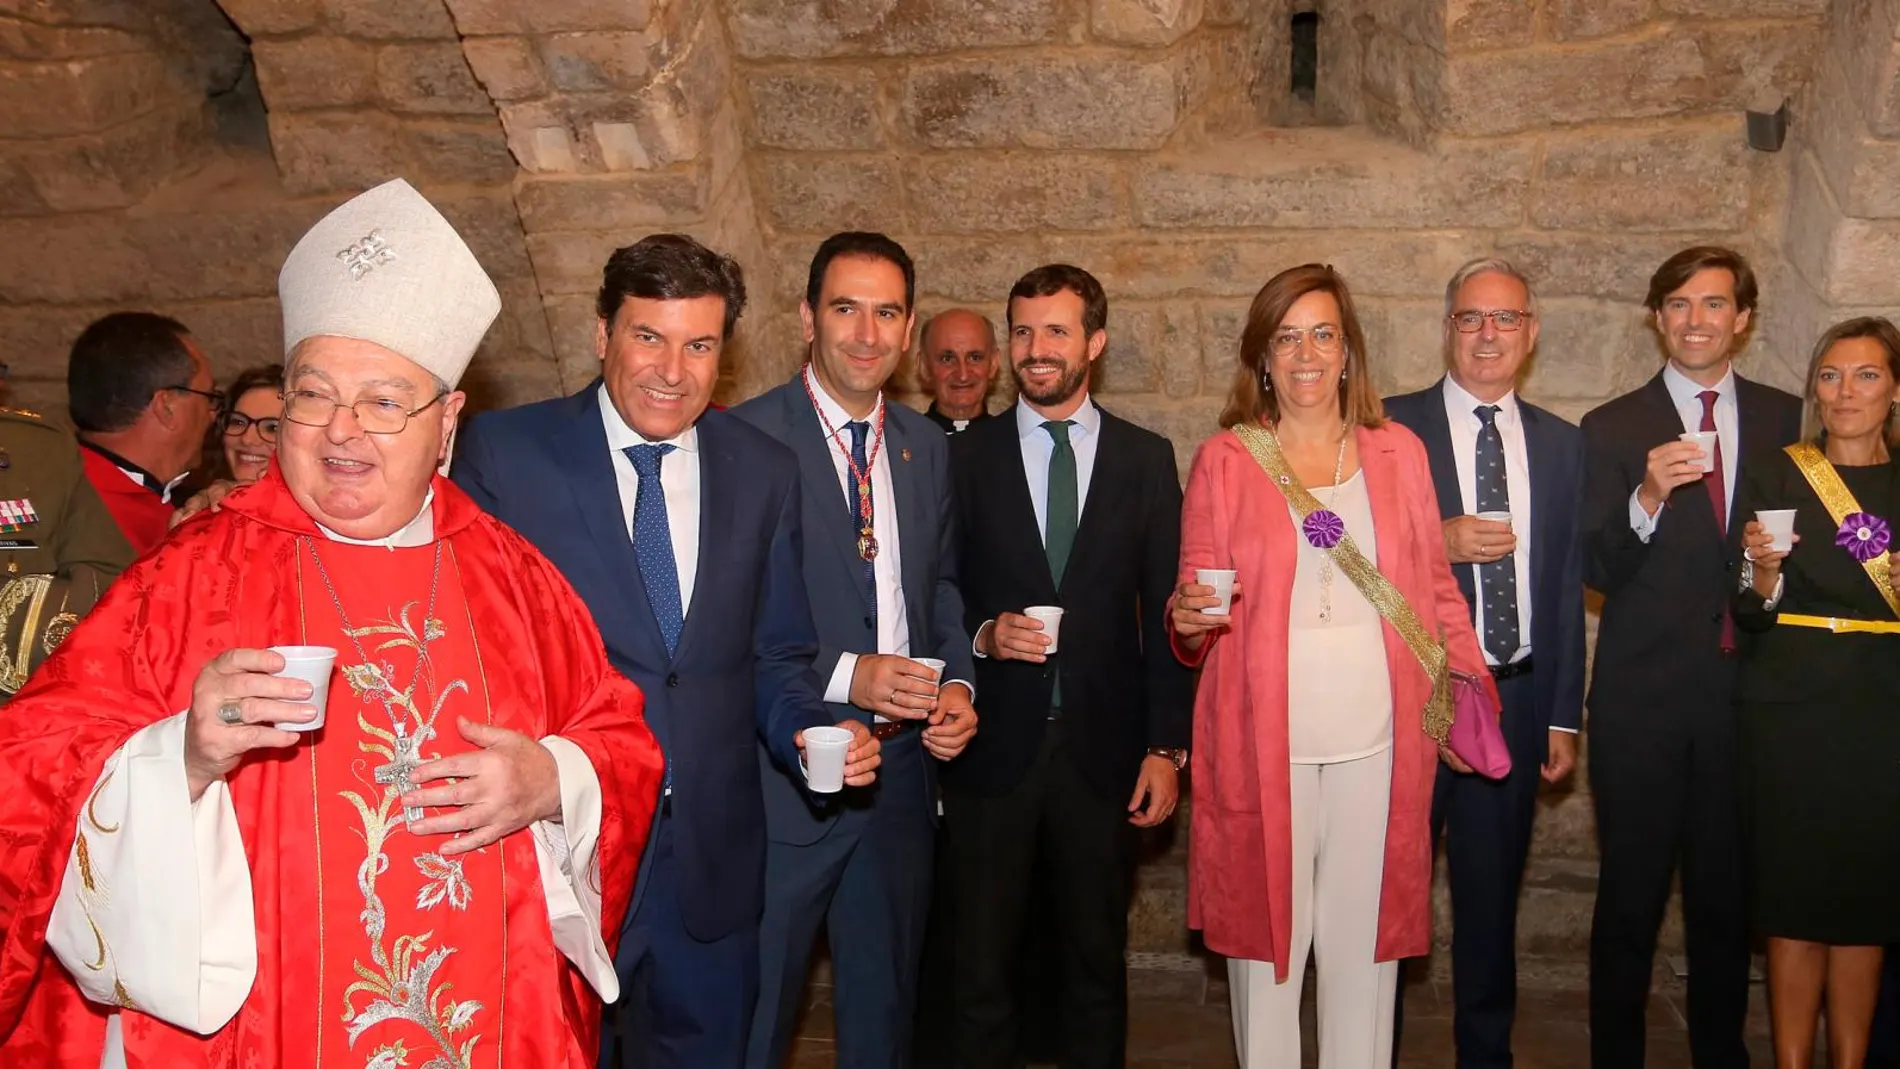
1587,139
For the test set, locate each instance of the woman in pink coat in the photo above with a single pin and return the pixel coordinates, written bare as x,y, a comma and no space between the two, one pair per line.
1312,769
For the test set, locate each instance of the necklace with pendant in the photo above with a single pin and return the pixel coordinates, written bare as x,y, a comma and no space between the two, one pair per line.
860,477
1322,528
399,773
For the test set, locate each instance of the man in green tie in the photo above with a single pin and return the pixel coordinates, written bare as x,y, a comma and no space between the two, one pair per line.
1062,506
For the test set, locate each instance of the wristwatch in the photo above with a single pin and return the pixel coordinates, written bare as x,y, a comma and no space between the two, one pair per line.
1178,758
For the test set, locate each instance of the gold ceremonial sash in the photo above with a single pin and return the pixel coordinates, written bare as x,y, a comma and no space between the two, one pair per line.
1827,485
1841,625
1371,582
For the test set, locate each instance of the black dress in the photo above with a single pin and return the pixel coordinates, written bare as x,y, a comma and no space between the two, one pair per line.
1820,726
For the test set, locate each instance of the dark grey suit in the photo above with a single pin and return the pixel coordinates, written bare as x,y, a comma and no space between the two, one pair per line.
862,865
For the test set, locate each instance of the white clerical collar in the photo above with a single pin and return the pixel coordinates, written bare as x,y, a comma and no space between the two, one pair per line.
621,436
1087,418
831,410
1464,403
417,532
1685,391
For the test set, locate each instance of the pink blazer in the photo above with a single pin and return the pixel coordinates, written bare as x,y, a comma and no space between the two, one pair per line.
1240,839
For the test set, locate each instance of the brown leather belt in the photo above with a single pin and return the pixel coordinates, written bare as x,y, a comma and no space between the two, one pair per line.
890,729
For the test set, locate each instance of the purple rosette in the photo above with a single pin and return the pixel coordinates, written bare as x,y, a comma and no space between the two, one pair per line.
1864,536
1323,528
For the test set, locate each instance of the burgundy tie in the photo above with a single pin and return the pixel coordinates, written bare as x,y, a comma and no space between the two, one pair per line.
1718,497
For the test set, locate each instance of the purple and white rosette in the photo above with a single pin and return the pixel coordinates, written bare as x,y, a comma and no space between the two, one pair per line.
1323,528
1864,536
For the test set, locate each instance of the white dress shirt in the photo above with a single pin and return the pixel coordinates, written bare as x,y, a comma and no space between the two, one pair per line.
893,621
1461,413
1039,446
679,477
1685,393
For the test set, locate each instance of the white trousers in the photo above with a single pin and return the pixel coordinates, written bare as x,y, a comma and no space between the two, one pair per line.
1339,813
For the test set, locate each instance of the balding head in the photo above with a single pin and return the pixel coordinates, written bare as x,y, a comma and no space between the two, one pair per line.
957,358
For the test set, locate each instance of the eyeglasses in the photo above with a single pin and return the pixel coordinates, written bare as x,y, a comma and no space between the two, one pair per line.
1504,319
1325,337
236,423
216,397
376,415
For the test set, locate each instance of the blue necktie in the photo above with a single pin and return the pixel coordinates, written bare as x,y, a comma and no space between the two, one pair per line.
860,432
653,543
1497,581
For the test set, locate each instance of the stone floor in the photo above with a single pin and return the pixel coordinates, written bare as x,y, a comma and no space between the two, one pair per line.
1179,1021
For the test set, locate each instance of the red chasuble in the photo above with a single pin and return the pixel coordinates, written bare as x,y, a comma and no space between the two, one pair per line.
373,949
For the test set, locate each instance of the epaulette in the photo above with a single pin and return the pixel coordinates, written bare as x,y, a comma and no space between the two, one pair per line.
21,413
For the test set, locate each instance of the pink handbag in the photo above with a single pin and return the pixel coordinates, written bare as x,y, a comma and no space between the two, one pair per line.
1475,738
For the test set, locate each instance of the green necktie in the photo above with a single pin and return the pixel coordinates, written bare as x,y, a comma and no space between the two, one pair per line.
1063,507
1062,516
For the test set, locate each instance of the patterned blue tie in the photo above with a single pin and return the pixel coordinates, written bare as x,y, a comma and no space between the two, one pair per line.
653,542
1497,581
860,432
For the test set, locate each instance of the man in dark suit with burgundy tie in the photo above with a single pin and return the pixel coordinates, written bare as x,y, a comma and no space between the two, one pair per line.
1509,477
1061,504
1661,547
680,529
879,542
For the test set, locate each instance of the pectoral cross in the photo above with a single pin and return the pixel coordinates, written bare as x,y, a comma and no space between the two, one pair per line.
400,772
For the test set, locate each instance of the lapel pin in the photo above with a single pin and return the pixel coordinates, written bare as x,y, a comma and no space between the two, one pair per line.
906,455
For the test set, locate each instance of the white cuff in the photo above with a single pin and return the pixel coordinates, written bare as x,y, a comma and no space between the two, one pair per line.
1642,522
838,691
976,641
155,908
1567,731
570,868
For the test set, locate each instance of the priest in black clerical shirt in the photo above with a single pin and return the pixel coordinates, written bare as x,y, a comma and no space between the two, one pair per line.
956,362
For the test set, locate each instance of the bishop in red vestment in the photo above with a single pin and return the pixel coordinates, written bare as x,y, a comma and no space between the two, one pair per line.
431,879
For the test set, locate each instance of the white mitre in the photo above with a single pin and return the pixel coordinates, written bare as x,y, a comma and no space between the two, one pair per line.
387,268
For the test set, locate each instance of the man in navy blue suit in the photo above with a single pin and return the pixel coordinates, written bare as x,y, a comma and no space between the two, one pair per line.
880,562
680,529
1510,488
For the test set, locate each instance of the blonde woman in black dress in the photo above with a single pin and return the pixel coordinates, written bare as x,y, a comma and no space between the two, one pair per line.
1819,699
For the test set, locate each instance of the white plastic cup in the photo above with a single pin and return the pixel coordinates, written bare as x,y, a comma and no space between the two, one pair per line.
934,665
1705,441
1051,618
825,750
1496,517
1780,524
1222,580
312,664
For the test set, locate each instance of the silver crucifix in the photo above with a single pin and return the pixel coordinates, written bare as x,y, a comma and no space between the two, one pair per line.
400,772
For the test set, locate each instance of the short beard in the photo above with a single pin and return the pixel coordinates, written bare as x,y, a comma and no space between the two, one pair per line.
1062,390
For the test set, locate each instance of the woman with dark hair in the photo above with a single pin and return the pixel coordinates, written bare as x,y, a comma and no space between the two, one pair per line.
249,427
1318,725
1817,693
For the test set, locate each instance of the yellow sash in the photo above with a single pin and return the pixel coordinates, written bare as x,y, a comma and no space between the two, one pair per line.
1840,625
1439,711
1827,485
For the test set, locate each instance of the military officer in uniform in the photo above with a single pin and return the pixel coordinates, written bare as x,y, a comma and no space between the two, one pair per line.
59,547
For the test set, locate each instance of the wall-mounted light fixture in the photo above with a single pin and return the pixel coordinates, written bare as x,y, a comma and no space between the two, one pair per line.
1767,128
